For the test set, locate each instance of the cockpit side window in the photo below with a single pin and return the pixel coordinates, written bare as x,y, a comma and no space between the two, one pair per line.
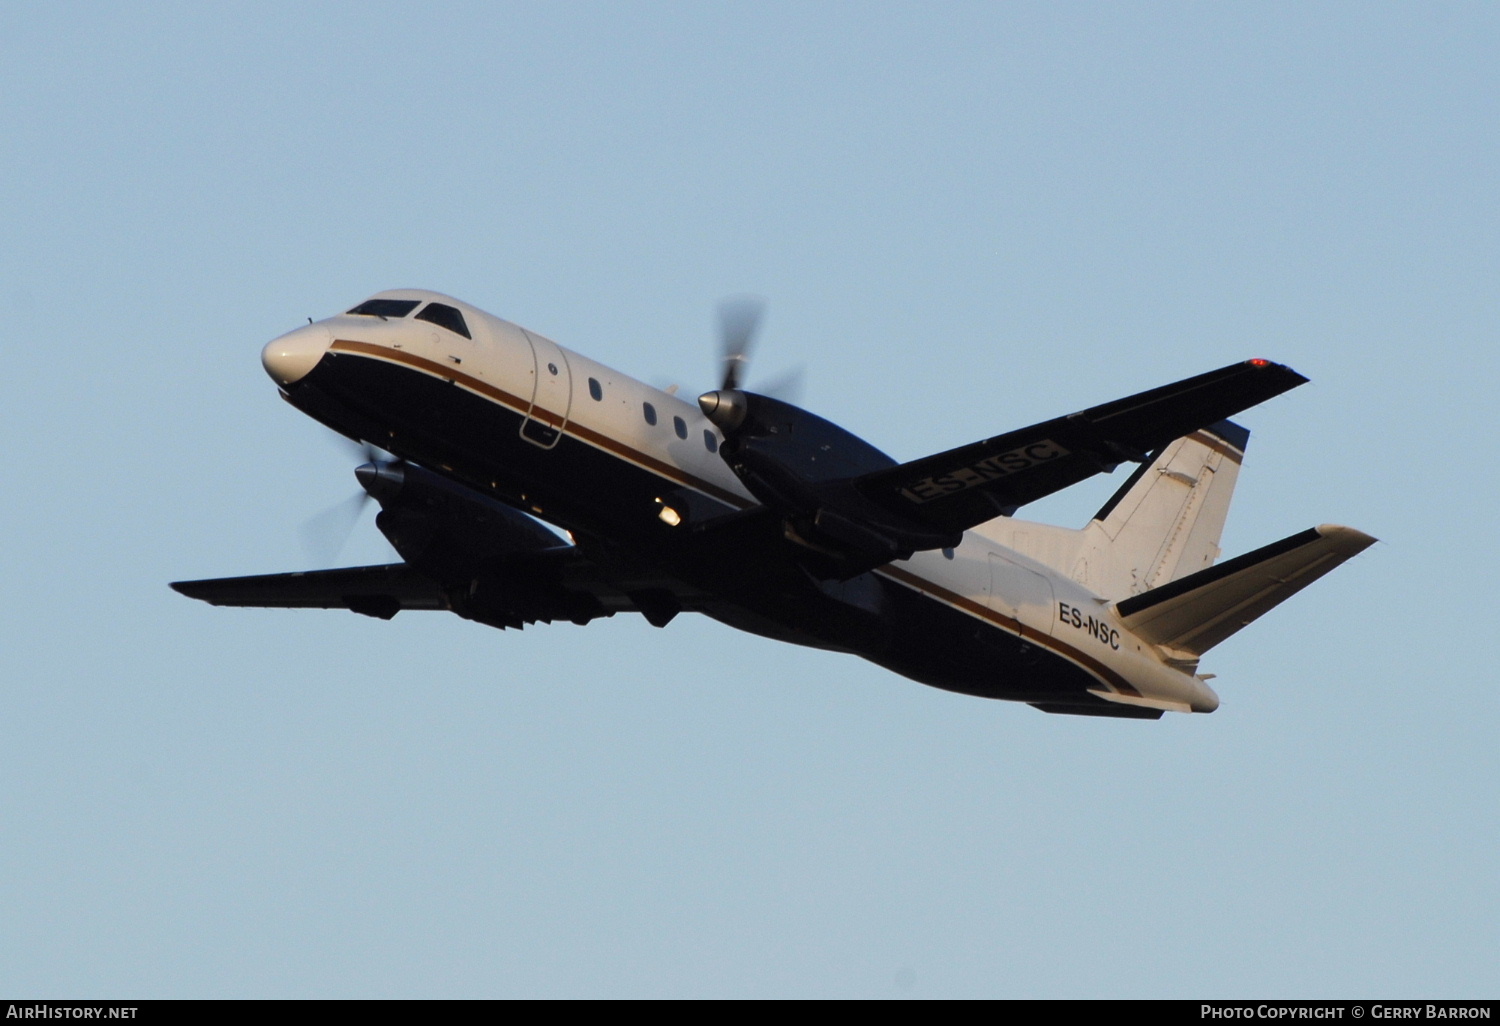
444,316
386,307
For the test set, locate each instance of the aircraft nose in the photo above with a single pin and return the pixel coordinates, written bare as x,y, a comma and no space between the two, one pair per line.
289,358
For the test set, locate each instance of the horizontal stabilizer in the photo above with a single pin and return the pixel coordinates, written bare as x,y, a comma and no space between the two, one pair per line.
1195,613
380,591
957,489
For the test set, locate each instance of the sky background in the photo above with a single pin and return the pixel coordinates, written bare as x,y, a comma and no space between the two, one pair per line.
966,218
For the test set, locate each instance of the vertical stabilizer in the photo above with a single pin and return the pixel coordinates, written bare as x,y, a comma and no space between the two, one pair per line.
1166,520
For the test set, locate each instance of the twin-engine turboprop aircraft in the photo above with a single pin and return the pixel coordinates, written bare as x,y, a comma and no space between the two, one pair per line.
770,519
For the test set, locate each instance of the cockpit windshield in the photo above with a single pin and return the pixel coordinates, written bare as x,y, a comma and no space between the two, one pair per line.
445,316
386,307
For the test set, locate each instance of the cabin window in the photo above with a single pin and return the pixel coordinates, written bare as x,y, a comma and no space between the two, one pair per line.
649,412
680,426
710,442
596,390
386,307
444,316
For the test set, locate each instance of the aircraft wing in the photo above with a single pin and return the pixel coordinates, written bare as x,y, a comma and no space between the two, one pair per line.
957,489
561,585
381,591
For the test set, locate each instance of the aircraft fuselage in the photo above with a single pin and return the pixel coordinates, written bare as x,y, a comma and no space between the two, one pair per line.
629,470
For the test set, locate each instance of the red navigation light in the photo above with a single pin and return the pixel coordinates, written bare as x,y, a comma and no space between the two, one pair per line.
1260,363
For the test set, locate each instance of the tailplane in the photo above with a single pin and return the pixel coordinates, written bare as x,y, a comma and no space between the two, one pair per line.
1188,616
1153,545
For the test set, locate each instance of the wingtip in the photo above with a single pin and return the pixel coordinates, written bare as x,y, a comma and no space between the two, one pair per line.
1347,541
184,588
192,589
1260,363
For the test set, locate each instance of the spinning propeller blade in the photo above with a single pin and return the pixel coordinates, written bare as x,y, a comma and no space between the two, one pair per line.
324,534
738,320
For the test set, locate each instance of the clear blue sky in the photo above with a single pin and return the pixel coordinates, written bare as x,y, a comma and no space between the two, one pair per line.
966,217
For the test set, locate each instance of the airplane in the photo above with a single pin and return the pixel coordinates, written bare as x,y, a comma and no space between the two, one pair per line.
770,519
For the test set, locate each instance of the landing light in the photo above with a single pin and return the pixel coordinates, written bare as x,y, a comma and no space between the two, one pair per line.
668,515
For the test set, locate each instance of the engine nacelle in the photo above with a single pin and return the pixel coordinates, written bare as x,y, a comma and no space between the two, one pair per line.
446,528
803,466
498,566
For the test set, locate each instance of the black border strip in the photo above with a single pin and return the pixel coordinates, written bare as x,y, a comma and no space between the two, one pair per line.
1137,603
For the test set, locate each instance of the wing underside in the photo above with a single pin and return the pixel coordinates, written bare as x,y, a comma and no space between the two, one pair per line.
379,591
962,487
560,584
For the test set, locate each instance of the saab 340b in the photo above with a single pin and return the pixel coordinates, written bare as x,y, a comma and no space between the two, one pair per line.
767,518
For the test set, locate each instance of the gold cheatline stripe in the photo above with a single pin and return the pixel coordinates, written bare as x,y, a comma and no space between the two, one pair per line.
1218,445
526,409
1026,633
906,577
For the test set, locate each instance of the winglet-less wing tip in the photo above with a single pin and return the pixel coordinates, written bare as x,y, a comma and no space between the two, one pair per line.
1273,365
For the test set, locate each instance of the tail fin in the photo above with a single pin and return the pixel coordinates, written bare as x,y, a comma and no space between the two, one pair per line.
1193,614
1166,520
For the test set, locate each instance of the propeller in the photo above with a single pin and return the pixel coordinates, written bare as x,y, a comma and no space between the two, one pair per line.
739,317
786,386
739,320
325,533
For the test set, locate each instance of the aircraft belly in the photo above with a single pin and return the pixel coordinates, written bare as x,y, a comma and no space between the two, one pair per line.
941,643
593,491
478,440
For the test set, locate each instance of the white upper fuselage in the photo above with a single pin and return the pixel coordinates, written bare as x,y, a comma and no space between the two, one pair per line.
560,390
